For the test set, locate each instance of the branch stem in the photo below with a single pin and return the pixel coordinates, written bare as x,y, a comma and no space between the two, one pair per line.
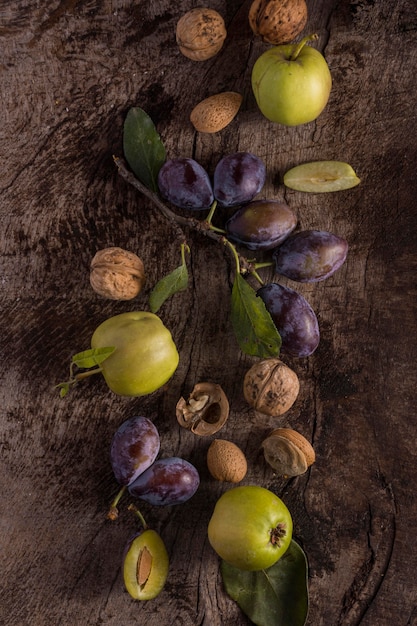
202,226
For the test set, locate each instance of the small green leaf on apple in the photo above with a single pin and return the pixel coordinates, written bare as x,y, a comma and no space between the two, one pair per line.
92,357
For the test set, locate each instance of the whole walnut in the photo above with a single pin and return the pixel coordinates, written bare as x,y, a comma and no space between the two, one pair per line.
271,387
117,274
278,21
200,33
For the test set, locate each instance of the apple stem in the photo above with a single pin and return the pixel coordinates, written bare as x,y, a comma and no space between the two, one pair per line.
82,375
74,379
301,45
113,513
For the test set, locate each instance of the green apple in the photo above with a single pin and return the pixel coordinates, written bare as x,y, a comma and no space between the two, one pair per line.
250,528
291,83
145,355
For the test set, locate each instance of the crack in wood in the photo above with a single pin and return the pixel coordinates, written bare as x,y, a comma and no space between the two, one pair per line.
370,576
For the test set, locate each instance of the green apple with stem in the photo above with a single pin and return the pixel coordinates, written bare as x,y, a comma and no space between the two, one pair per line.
134,352
250,528
291,83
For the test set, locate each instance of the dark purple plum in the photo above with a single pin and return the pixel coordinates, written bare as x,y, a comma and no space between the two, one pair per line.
167,481
310,256
261,224
238,178
293,317
186,184
134,447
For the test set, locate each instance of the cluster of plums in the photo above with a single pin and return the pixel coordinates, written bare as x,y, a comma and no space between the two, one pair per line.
133,456
306,256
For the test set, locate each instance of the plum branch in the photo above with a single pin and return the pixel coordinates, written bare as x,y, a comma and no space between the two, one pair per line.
177,221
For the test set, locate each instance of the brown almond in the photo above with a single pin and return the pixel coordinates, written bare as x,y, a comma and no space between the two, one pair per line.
226,461
215,112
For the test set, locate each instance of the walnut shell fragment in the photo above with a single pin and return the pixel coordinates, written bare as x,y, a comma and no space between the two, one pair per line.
205,411
117,274
215,112
226,461
278,21
271,387
288,452
200,34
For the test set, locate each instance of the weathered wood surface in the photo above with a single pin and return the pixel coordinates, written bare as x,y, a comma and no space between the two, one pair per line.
70,70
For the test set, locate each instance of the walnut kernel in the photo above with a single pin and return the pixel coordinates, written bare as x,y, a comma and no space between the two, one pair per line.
206,410
117,274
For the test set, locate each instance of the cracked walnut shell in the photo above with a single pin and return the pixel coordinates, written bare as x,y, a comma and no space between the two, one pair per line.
206,410
200,33
117,274
288,452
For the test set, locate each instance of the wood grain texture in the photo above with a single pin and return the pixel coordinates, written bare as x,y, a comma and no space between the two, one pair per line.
70,70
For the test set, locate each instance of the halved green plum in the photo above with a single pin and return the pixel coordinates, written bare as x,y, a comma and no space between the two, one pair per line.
321,177
145,566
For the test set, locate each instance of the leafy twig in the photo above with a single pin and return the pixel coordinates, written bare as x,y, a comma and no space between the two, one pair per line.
202,226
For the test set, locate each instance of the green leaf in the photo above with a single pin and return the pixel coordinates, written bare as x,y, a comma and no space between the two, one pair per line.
63,389
143,148
277,596
255,331
92,357
170,284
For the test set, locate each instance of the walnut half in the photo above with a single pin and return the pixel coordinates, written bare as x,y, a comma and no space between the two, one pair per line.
117,274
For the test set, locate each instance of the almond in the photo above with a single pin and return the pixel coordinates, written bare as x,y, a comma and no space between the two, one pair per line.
226,461
215,112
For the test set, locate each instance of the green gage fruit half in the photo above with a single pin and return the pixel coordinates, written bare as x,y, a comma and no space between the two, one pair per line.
145,566
321,176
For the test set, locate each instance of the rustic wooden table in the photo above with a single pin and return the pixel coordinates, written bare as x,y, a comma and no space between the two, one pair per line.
70,71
